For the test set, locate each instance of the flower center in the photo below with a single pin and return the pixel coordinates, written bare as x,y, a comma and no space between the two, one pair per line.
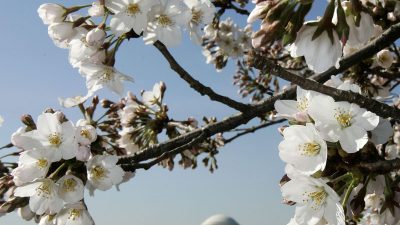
133,9
74,214
86,134
302,104
164,20
343,118
69,185
44,190
197,16
310,149
318,197
108,75
55,139
98,172
42,163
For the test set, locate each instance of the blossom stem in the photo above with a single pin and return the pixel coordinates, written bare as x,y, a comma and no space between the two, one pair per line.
61,167
348,192
341,177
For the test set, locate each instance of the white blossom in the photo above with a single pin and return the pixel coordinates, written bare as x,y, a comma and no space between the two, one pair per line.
51,13
153,97
43,196
1,121
52,135
74,214
384,58
129,14
167,19
61,32
86,134
320,53
373,201
360,35
48,220
26,213
83,153
74,101
103,172
298,109
96,37
96,10
70,188
202,13
382,133
32,164
342,121
99,76
126,141
315,201
304,148
80,52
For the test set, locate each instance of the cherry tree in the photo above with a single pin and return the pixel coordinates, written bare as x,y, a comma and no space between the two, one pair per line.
330,82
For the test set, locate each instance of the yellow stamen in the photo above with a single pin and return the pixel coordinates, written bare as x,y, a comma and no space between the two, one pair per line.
55,139
74,214
42,163
69,185
133,9
310,149
164,20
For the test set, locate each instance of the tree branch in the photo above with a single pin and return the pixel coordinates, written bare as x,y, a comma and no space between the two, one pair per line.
267,105
372,105
195,84
253,129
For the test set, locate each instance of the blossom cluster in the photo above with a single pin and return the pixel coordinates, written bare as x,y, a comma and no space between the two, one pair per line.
56,164
321,128
92,49
322,43
225,40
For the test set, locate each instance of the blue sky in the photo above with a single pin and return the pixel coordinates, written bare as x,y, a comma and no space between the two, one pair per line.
35,73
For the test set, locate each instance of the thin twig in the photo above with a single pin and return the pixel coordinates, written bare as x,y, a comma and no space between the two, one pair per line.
267,105
195,84
253,129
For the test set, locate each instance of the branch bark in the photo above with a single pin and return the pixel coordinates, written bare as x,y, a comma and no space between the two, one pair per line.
381,109
195,84
196,136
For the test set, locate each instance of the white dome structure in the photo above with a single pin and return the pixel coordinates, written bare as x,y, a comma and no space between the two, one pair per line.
220,220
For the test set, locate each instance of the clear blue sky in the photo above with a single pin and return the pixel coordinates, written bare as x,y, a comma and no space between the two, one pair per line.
35,73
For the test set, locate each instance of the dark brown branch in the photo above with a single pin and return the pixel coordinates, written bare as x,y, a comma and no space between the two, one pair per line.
253,129
195,84
378,167
234,121
372,105
229,5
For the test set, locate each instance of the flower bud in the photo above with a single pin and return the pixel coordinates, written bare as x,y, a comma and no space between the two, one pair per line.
26,213
51,13
83,153
391,17
96,37
61,31
373,201
384,58
96,10
86,134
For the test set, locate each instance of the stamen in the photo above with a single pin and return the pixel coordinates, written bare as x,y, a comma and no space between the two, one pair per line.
132,9
343,117
69,185
55,139
74,214
310,149
42,163
164,20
